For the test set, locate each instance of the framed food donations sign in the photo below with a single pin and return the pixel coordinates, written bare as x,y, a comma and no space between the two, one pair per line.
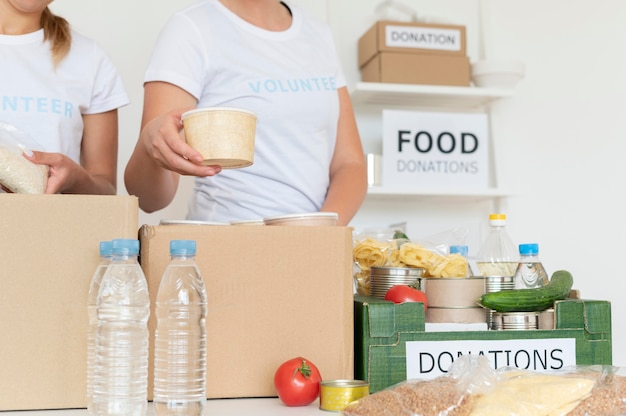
430,151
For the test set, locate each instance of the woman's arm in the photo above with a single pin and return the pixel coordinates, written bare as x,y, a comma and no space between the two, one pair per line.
97,173
348,171
161,154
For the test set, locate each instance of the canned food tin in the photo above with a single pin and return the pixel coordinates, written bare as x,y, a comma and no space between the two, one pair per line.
498,283
383,278
335,395
515,320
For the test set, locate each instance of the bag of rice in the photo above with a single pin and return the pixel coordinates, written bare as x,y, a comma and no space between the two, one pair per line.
18,174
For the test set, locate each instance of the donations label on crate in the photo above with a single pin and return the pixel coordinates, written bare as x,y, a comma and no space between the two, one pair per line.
435,151
431,359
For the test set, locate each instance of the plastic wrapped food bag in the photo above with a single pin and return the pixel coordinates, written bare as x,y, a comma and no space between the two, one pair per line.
391,248
473,388
18,174
374,248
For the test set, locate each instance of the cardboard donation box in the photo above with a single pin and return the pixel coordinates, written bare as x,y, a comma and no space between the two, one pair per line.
274,293
391,344
414,53
49,250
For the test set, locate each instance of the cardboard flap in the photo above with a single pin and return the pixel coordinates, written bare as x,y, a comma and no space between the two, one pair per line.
594,314
387,318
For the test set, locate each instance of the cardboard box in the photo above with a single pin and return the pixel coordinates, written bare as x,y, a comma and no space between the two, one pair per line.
274,293
411,38
49,251
385,331
404,68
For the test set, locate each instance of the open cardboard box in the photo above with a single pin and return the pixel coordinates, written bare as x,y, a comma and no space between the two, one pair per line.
274,293
48,251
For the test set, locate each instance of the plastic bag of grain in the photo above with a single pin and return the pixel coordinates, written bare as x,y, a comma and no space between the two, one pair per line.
18,174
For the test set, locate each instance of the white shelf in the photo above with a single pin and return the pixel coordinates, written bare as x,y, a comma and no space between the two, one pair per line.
432,96
381,193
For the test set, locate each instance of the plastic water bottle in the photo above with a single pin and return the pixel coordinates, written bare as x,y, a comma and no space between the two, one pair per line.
498,255
530,272
106,254
180,337
121,363
463,250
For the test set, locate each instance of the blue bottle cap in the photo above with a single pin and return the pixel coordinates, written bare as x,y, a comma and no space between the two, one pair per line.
183,247
106,248
462,250
125,246
529,249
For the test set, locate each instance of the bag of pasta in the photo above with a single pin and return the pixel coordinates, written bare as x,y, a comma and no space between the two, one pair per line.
375,248
391,248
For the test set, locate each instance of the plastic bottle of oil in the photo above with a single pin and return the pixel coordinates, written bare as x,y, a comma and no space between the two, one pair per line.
498,255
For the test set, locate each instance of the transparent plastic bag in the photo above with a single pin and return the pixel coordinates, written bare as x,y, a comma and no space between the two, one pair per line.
383,247
473,388
452,394
18,174
374,248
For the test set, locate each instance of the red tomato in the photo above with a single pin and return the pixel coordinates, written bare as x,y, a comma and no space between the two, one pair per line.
405,293
297,382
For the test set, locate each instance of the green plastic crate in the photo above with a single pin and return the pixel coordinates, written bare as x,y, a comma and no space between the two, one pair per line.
383,328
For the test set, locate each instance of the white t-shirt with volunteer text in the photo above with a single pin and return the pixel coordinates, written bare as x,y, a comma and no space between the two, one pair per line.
46,102
289,79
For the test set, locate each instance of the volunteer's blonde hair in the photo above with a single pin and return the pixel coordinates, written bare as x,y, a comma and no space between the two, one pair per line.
57,30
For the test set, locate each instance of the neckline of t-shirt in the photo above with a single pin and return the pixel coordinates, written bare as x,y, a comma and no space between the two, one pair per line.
296,21
32,37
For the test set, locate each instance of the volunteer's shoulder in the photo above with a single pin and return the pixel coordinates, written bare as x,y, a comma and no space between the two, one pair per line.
83,46
195,12
315,23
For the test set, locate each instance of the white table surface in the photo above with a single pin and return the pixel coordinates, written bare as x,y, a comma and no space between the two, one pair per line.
222,407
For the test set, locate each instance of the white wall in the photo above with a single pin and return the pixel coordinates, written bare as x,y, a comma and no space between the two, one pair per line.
559,141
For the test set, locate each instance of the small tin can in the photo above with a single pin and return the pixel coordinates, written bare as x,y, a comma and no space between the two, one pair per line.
335,395
515,320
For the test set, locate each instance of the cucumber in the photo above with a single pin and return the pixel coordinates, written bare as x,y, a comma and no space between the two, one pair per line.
530,300
399,235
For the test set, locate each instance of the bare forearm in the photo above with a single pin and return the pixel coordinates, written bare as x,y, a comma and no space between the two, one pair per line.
346,193
93,184
153,185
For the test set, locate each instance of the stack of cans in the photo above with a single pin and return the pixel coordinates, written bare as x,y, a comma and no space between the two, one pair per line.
496,284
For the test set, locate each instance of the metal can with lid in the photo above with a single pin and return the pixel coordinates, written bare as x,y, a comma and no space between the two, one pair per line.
515,320
335,395
382,278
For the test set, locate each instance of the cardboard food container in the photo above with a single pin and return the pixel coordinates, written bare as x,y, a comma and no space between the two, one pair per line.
453,292
49,251
274,293
308,219
224,136
385,331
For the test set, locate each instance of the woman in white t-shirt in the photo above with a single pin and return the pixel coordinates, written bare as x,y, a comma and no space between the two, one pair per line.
268,57
63,91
